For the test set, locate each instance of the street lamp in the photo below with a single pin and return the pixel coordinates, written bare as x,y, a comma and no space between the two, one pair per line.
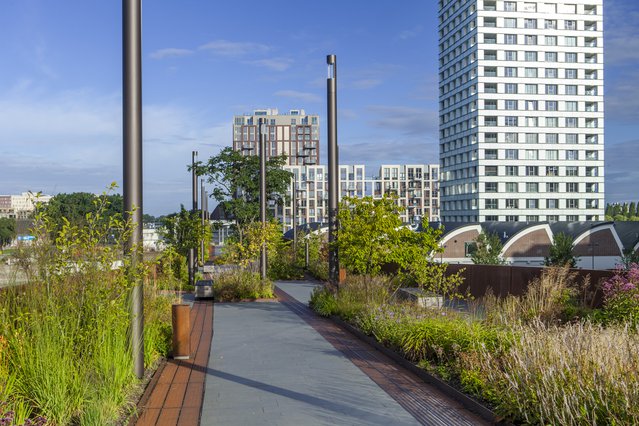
261,125
333,168
132,163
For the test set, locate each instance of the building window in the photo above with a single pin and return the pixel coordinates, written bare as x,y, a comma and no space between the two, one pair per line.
511,55
592,171
510,121
531,72
530,40
532,154
490,170
552,187
510,218
490,154
532,204
512,203
491,203
490,186
492,218
510,88
511,137
551,41
551,73
572,203
512,187
571,121
512,170
552,122
571,89
572,138
570,42
552,203
490,121
532,105
531,89
570,24
572,171
551,89
510,23
550,56
552,138
551,105
532,187
591,187
571,57
552,171
532,171
592,155
510,6
572,187
510,72
530,23
552,154
571,106
511,105
512,154
510,38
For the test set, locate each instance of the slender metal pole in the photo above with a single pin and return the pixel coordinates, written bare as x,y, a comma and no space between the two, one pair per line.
333,169
202,214
192,256
132,158
295,217
262,194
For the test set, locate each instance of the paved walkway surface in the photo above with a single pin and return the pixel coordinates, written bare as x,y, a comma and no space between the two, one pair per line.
275,363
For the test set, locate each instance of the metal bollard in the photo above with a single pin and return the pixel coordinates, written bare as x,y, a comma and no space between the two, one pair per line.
181,321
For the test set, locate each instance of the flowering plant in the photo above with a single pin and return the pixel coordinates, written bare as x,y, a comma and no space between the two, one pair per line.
621,295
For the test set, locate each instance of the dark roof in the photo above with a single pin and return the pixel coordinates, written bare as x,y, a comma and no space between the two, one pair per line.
574,229
504,230
219,214
305,229
628,233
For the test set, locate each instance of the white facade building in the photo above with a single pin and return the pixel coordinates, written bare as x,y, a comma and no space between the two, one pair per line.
21,206
521,110
415,185
294,134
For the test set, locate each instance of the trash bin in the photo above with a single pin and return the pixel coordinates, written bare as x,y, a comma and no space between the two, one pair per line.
204,289
181,323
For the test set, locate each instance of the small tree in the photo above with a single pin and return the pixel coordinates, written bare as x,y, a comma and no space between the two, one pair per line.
487,249
184,230
7,231
561,251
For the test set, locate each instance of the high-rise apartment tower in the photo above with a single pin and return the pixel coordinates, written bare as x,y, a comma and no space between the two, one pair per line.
294,134
521,110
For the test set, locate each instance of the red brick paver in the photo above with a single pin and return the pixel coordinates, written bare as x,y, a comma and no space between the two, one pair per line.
174,396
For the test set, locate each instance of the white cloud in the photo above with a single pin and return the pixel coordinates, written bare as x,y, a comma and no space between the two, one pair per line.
275,64
234,48
170,52
411,121
411,33
302,96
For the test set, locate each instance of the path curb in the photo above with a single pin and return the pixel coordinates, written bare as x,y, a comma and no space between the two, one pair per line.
468,402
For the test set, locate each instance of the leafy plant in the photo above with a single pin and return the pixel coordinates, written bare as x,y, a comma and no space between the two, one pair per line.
561,251
241,284
7,231
621,296
486,249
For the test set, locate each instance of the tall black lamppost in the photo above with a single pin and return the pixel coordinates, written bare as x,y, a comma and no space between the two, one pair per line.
333,168
262,150
132,159
192,251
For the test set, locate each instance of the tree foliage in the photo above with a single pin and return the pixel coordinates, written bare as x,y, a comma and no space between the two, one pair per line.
621,212
561,251
487,249
237,183
75,207
7,231
371,235
184,230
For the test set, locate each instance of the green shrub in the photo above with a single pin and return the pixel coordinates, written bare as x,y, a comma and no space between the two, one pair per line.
323,301
241,284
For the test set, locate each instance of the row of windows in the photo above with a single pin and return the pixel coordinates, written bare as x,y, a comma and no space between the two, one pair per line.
534,187
551,203
515,218
512,6
514,121
534,154
547,171
530,138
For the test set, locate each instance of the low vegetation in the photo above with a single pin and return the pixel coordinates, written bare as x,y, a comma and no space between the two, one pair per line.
241,285
546,357
64,336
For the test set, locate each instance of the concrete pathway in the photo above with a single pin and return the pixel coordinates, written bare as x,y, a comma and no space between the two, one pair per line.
269,367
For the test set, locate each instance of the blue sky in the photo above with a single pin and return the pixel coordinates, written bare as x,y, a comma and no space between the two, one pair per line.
205,61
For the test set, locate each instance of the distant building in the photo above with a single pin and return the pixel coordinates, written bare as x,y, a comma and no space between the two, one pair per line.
20,206
597,245
416,187
294,134
521,108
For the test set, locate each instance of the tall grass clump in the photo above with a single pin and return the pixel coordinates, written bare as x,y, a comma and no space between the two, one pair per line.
67,356
241,284
576,374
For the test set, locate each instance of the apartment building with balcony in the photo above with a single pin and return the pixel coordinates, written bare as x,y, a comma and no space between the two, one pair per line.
415,185
521,110
294,134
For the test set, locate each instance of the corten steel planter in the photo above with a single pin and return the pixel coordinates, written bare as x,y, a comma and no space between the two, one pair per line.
181,322
342,275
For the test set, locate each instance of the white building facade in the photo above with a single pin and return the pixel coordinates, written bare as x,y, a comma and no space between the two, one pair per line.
294,134
416,187
521,110
21,206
